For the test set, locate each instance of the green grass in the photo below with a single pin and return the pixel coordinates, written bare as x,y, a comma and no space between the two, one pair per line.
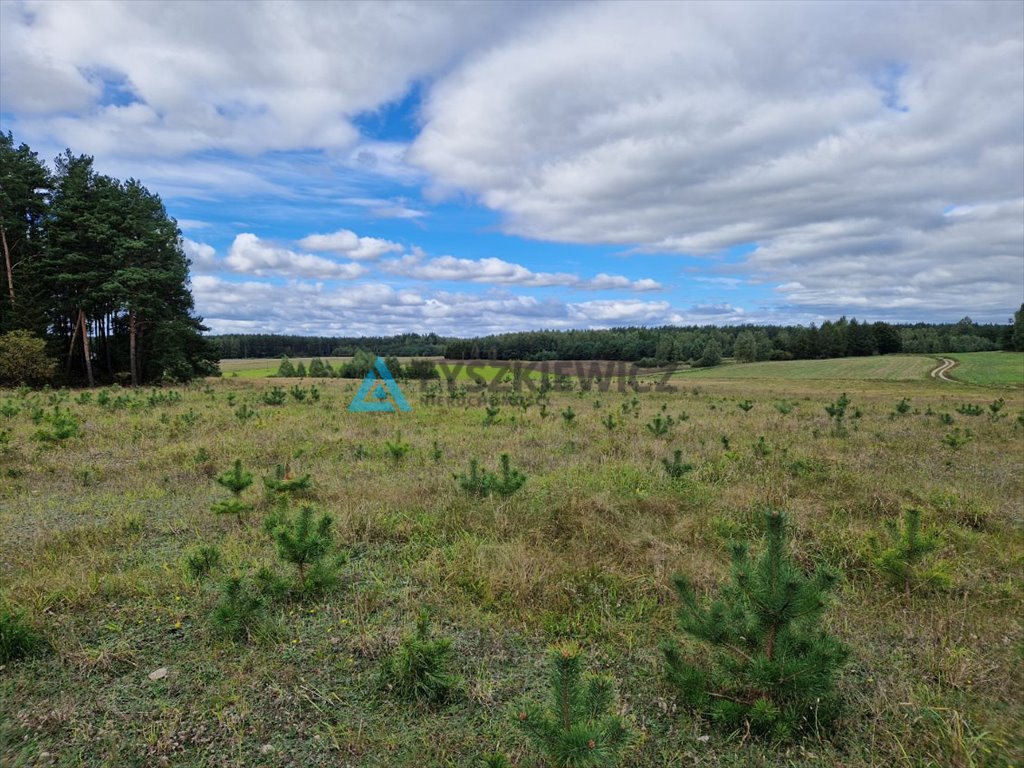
881,368
97,530
989,369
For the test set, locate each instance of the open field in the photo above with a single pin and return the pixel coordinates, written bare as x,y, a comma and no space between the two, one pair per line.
882,368
96,529
989,369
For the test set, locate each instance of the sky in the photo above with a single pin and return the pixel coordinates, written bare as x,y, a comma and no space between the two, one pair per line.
345,168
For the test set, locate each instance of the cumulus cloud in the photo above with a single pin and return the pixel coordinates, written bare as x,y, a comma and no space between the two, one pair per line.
252,256
246,77
346,243
202,255
691,128
495,271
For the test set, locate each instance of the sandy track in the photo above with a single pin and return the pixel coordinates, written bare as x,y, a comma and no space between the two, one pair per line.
943,368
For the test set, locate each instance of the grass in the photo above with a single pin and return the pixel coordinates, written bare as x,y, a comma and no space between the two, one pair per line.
98,530
881,368
989,369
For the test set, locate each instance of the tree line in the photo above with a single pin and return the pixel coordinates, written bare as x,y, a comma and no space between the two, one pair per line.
704,345
95,272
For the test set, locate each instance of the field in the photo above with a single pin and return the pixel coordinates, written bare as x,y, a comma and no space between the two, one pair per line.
990,369
97,527
882,368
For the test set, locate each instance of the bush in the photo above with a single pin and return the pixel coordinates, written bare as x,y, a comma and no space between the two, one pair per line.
23,360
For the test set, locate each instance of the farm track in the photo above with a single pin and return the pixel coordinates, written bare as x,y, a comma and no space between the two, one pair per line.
940,371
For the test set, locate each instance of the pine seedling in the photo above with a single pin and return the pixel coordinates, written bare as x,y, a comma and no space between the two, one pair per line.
235,480
491,416
9,409
676,468
305,543
239,614
477,481
837,412
746,406
201,561
660,425
902,563
609,422
579,728
284,481
436,453
276,396
510,480
769,665
418,670
903,406
568,415
297,392
397,449
244,413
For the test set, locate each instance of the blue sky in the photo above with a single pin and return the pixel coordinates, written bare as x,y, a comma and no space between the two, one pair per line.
345,168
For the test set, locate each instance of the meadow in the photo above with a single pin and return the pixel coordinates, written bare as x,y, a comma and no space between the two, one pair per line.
98,527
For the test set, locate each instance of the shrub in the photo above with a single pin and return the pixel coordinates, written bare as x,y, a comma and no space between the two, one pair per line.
902,563
580,727
23,360
770,665
418,670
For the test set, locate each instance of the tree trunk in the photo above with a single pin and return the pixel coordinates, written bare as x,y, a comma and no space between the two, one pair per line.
133,364
7,262
85,348
71,348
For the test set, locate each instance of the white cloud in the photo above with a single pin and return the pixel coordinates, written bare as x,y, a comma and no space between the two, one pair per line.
252,256
691,128
242,77
346,243
202,255
495,271
386,209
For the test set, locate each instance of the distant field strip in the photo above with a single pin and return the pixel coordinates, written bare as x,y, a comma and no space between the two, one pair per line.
989,369
883,368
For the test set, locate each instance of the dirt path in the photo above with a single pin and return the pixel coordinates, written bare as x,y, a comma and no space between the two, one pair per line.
943,368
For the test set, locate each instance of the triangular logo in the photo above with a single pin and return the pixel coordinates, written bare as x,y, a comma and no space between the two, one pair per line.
373,395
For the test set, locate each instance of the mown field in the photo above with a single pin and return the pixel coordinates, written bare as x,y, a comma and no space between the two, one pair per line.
97,528
881,367
990,369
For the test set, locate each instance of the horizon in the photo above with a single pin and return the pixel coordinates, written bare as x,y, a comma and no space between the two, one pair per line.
504,167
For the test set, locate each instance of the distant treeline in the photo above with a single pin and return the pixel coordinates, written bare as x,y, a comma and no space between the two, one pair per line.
657,346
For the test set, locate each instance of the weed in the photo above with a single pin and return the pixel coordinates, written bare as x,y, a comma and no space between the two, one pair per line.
18,639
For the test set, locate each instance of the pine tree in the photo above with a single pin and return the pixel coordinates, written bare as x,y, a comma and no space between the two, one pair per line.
902,563
580,727
418,670
305,544
285,481
769,665
285,369
235,480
